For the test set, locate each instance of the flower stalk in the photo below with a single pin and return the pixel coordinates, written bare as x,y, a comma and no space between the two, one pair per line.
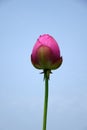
46,77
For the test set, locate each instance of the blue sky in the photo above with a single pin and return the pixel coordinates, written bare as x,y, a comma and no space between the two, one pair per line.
21,85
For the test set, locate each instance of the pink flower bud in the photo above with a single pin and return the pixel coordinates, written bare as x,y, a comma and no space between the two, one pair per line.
46,53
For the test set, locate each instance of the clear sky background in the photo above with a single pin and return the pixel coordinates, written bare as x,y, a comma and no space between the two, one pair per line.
21,85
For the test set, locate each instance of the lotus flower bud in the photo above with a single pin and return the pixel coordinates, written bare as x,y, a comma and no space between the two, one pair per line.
46,53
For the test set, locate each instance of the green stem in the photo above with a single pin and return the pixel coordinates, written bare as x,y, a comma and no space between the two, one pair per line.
46,77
